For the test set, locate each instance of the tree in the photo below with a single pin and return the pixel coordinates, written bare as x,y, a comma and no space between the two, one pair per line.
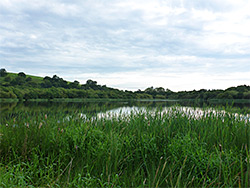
28,79
17,81
7,79
149,90
3,72
246,95
74,84
46,83
160,97
47,78
91,82
160,89
22,74
55,77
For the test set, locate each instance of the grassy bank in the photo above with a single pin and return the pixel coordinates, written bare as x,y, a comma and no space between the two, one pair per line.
47,148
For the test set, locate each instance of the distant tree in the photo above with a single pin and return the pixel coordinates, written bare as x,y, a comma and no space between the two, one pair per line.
22,74
32,84
18,81
160,97
7,79
139,91
239,95
149,90
224,95
58,82
104,87
47,78
168,91
55,77
143,96
160,89
28,79
74,84
46,83
3,72
242,88
246,95
91,82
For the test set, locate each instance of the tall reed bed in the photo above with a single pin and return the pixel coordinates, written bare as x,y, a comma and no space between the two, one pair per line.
171,148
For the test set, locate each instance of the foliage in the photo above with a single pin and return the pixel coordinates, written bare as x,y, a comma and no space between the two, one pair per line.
3,72
22,74
28,87
45,148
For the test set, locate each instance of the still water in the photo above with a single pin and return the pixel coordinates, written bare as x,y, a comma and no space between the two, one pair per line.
95,107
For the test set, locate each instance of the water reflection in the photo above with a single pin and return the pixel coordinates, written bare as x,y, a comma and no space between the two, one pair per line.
190,112
95,107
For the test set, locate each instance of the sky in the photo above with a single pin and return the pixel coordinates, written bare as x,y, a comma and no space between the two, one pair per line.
129,45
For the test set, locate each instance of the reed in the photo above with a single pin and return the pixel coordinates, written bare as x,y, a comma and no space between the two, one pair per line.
173,148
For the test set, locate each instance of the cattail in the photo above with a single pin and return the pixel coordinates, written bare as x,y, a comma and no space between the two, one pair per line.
40,125
220,146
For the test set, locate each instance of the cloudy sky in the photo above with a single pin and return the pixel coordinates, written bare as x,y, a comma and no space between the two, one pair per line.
132,44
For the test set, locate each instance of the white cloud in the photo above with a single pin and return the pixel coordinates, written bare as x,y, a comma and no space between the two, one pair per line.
55,6
128,44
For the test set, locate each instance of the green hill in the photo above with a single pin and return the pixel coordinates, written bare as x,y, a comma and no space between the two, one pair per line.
12,76
22,86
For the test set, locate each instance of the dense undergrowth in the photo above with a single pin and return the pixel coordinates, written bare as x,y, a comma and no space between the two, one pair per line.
143,149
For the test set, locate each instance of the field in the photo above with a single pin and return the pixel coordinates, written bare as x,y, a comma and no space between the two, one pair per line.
174,148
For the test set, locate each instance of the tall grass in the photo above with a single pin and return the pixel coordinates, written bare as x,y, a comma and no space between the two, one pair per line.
145,149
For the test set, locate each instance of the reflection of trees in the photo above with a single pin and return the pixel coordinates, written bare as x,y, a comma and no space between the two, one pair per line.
61,107
94,107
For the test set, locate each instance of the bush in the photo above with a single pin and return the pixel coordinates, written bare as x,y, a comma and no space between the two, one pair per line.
3,72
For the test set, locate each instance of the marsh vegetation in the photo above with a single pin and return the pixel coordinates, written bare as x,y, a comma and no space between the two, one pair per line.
147,147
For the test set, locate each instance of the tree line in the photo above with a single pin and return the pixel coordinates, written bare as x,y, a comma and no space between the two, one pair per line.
22,86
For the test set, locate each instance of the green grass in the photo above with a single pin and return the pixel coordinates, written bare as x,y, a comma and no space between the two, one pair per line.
36,79
145,149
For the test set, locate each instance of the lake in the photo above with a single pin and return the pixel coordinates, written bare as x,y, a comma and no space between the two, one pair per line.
94,107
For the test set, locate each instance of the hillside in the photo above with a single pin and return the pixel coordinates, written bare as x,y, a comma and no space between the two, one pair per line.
5,80
21,86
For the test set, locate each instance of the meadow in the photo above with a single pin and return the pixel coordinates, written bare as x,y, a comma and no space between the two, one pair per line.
173,148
